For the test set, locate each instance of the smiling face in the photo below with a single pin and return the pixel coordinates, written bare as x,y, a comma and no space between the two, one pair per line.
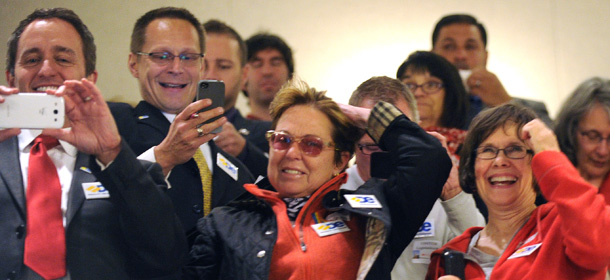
173,86
429,105
292,173
593,157
50,52
504,183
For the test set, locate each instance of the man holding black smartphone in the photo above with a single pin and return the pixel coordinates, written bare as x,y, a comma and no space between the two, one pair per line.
167,46
74,208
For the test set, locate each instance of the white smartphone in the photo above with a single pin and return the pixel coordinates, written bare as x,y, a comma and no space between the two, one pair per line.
32,110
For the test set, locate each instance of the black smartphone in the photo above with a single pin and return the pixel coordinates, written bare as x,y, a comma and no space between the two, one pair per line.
454,263
214,90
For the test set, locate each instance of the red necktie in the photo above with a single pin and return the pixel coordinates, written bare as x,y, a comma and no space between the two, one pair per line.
45,241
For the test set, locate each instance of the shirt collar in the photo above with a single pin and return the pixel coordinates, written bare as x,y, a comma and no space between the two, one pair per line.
27,136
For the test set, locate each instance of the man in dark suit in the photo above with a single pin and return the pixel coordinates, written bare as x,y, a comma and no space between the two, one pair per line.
167,47
112,219
462,40
225,60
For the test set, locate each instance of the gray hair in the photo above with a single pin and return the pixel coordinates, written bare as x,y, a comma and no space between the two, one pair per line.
589,93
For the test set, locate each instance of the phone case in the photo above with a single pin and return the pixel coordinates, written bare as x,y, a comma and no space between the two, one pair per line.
32,110
214,90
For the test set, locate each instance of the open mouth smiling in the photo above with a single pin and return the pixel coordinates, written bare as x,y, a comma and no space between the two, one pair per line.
502,180
170,85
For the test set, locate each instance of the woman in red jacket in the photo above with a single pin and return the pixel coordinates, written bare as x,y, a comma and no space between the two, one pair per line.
507,158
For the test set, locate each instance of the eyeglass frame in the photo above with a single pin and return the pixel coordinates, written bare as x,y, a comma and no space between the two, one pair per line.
527,151
416,86
298,140
361,147
171,57
599,135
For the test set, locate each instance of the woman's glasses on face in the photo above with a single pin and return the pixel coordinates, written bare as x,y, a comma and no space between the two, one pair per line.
428,87
513,152
593,137
309,144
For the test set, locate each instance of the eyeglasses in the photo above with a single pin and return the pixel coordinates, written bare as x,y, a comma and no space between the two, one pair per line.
164,58
428,87
368,149
309,144
593,137
513,152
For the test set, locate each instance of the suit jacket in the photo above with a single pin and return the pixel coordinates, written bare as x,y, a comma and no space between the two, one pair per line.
254,153
144,127
134,233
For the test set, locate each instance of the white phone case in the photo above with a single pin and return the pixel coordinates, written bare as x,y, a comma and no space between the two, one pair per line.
32,110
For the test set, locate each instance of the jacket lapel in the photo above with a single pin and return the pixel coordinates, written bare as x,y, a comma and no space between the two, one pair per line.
82,174
151,116
10,172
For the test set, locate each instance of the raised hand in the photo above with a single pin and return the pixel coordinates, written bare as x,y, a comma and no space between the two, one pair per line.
184,137
9,132
91,127
230,140
539,137
488,87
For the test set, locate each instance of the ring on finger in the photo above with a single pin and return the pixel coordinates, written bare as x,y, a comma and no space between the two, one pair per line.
88,98
477,83
200,132
195,115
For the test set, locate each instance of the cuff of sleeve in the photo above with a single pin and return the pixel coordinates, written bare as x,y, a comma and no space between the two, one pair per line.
382,115
149,155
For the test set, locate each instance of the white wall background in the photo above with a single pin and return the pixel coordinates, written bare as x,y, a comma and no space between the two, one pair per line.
540,49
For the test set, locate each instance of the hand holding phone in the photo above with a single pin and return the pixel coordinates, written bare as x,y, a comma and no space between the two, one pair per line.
214,90
32,110
454,263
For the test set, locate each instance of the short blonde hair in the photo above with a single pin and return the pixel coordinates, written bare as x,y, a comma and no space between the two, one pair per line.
296,92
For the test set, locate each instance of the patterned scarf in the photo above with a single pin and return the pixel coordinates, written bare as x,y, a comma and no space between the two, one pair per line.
294,206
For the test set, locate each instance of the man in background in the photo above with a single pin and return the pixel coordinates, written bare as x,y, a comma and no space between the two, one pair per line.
462,40
270,65
225,60
452,213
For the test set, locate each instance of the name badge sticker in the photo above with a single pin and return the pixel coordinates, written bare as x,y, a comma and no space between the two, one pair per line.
227,166
95,190
362,201
426,229
330,228
525,251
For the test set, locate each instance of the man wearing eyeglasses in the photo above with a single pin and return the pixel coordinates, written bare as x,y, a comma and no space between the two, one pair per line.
447,219
167,46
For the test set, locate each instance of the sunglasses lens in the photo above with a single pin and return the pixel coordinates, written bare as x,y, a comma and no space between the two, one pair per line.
281,141
311,146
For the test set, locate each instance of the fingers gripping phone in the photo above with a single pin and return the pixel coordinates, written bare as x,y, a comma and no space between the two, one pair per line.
214,90
32,110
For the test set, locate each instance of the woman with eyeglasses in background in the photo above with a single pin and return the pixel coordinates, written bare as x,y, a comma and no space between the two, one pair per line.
309,228
442,100
508,156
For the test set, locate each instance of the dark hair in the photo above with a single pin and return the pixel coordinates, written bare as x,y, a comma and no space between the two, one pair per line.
263,41
218,27
345,133
138,35
588,94
384,89
483,125
455,104
61,13
458,18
